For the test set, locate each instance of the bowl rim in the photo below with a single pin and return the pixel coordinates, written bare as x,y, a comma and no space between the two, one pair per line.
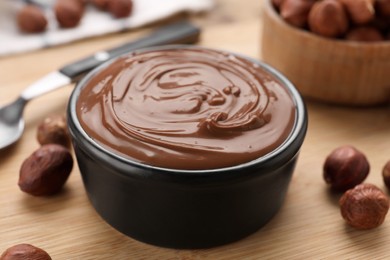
271,10
294,140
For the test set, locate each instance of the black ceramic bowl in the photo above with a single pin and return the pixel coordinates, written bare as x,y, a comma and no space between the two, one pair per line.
186,208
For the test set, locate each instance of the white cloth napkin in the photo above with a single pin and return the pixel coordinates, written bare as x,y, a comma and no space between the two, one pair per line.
93,23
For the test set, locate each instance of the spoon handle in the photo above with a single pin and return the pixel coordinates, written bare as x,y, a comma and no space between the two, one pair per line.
178,33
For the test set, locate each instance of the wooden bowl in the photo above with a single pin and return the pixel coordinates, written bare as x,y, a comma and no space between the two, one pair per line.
333,71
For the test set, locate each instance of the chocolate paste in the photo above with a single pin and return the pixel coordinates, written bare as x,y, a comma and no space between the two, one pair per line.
187,108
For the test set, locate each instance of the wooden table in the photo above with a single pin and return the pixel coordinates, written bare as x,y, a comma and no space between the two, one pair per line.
308,226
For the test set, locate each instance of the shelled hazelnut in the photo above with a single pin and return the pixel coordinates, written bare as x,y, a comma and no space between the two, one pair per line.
83,3
328,18
364,207
46,170
345,167
25,252
120,8
360,11
31,19
68,13
341,19
53,130
296,12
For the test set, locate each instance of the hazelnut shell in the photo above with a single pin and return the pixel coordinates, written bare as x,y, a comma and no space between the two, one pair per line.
24,252
46,170
296,12
120,8
328,18
364,207
359,11
345,167
68,13
31,19
53,130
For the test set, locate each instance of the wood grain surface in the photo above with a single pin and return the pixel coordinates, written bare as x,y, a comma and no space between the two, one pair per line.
308,226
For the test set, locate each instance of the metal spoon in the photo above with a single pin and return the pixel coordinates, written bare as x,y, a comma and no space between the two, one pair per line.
11,115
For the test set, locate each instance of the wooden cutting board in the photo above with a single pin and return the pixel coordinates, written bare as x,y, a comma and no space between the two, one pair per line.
308,226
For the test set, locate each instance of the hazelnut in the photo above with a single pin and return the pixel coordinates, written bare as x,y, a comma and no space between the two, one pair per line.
53,130
23,252
46,170
383,7
296,12
120,8
328,18
345,167
83,3
31,19
364,34
364,207
100,4
68,13
359,11
386,174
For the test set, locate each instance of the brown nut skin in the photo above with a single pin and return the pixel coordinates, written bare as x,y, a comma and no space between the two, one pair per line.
68,13
328,18
53,130
46,170
83,3
386,174
24,252
31,19
345,167
120,8
296,12
360,11
364,207
364,34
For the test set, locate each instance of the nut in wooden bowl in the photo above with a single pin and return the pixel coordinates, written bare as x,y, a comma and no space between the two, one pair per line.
332,70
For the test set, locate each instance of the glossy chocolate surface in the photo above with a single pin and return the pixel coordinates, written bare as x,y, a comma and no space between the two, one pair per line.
186,109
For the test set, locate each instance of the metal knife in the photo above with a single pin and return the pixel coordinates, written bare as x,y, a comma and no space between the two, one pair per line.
11,115
181,32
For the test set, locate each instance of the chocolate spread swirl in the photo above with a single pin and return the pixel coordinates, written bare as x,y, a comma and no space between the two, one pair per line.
186,108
